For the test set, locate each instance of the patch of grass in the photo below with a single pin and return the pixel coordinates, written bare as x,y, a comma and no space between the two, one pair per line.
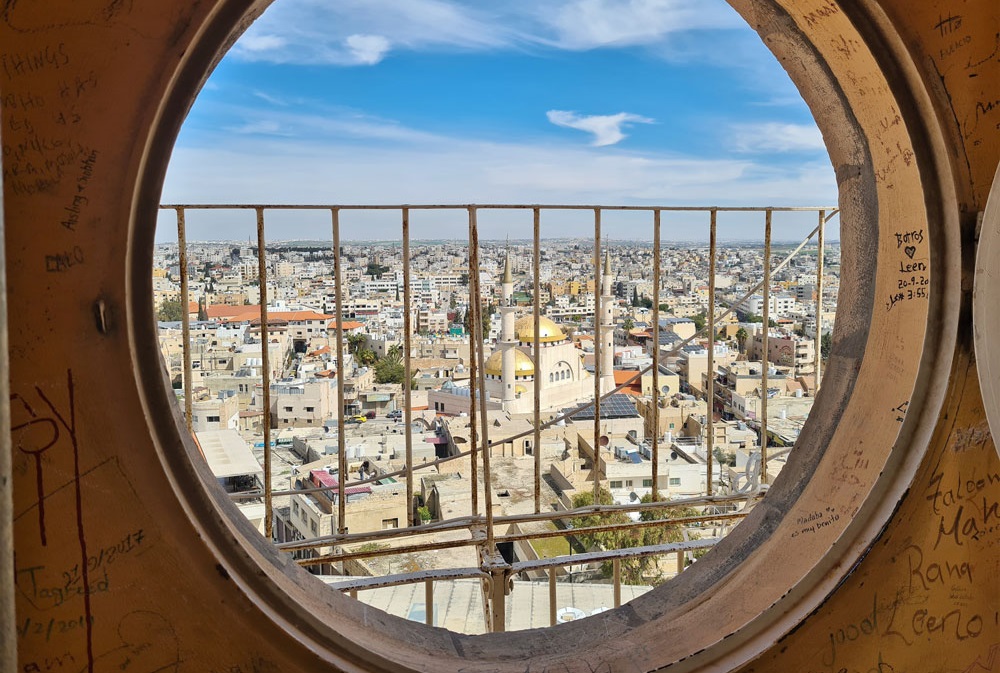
551,546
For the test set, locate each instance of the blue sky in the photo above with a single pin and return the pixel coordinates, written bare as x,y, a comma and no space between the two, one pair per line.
639,102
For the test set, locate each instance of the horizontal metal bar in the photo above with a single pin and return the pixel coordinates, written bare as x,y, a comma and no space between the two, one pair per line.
628,552
461,523
652,523
363,583
389,551
493,206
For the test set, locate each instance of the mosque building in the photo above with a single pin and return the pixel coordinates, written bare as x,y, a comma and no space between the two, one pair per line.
514,369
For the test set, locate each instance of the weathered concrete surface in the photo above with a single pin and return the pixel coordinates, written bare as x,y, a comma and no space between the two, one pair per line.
123,562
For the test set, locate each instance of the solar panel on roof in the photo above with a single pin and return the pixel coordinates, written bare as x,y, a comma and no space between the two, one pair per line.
635,457
616,406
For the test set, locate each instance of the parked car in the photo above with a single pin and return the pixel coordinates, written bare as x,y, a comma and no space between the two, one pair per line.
369,415
356,419
395,415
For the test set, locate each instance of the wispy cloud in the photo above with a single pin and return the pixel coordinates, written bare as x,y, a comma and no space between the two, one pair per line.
607,129
263,127
256,169
776,137
268,98
361,32
587,24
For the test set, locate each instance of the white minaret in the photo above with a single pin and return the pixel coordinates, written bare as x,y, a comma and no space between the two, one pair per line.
607,328
507,339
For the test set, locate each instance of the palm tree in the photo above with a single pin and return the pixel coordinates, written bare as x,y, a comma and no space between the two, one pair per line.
354,342
741,339
628,324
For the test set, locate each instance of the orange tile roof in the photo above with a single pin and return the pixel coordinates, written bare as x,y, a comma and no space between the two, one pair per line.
227,311
347,324
634,388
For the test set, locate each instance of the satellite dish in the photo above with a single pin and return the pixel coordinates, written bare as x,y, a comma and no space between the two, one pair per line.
604,441
665,390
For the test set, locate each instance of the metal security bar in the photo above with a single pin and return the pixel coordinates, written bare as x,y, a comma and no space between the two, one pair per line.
481,523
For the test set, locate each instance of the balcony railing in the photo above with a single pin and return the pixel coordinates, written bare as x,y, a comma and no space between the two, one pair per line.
481,523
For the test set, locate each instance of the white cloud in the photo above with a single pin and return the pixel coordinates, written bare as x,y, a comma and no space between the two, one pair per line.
262,127
586,24
367,49
268,98
261,169
776,137
607,129
255,43
351,32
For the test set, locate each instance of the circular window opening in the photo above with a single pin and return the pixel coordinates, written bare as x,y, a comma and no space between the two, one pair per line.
861,281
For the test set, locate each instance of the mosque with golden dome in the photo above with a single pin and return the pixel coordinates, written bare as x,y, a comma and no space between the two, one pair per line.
514,369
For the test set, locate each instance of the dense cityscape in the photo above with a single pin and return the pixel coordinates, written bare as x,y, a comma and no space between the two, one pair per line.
228,414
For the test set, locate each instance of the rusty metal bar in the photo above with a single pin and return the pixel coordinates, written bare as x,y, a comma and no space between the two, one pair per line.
478,345
429,602
597,355
462,523
656,357
817,357
341,432
616,573
185,321
766,326
630,525
710,446
407,367
629,552
355,584
552,597
536,348
475,333
353,593
391,551
265,362
680,561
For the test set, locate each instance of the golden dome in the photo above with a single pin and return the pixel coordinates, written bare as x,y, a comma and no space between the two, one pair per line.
523,366
548,331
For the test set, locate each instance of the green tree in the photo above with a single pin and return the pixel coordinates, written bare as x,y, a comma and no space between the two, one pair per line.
634,570
635,296
628,324
202,312
355,342
699,321
825,343
170,311
390,369
741,339
366,357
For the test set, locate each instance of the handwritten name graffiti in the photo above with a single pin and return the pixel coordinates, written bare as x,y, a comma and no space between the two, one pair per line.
913,282
79,202
64,261
39,409
900,410
815,521
850,632
45,597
